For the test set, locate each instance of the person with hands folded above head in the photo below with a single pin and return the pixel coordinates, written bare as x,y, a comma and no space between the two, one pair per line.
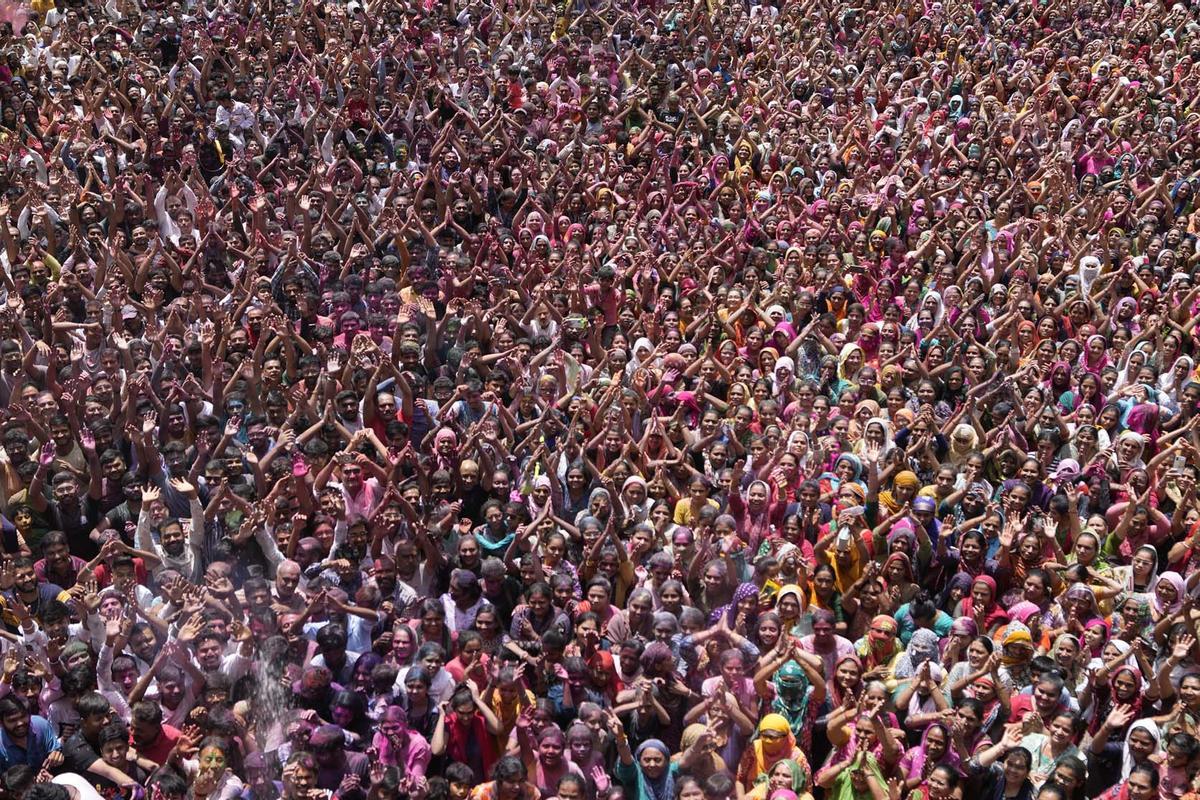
858,776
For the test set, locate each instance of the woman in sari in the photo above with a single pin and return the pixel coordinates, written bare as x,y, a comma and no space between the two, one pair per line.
847,469
922,646
880,650
1066,655
981,606
847,680
647,774
1140,576
469,732
1079,606
795,688
876,432
857,777
790,604
707,763
934,750
823,593
1123,687
954,650
757,515
904,490
741,612
1169,591
787,774
773,742
1016,655
901,580
847,559
1052,746
1010,778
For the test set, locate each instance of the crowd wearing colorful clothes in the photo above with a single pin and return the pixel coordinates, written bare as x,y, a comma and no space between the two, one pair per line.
599,400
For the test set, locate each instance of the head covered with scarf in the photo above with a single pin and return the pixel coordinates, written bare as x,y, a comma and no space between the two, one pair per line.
773,742
662,787
792,698
743,592
880,645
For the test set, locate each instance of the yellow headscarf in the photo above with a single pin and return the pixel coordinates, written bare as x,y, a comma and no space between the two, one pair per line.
845,576
847,349
905,479
773,723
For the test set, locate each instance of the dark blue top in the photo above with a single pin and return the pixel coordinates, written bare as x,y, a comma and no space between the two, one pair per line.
40,742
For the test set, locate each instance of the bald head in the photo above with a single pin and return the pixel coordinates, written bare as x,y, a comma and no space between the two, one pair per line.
287,578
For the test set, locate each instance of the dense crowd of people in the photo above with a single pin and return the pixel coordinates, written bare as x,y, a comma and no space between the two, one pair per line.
591,400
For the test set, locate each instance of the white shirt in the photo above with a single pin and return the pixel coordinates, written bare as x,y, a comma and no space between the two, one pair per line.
79,786
240,117
440,688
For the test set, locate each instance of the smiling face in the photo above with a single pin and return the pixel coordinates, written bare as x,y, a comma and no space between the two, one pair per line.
848,674
1141,744
1062,730
1125,686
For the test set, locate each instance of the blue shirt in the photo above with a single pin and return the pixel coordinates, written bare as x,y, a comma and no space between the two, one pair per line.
40,742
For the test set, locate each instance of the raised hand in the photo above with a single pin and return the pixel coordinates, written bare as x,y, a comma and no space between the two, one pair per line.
191,629
1013,734
1050,528
377,769
221,586
1183,647
600,778
1119,717
20,610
